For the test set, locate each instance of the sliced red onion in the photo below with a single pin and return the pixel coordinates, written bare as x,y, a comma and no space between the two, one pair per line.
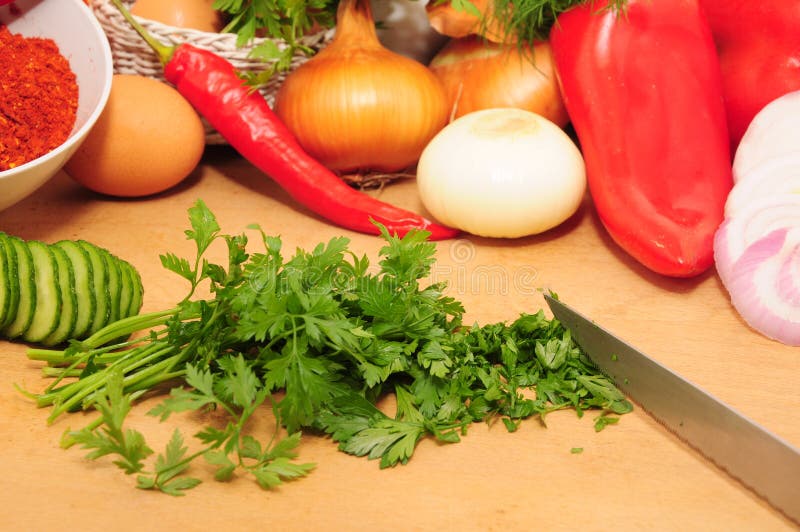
757,247
764,285
752,222
772,133
777,176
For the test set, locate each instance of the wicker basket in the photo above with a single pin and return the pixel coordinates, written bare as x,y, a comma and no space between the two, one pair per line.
133,56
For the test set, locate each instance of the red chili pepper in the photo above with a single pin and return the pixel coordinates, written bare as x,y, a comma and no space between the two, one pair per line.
644,95
243,117
759,51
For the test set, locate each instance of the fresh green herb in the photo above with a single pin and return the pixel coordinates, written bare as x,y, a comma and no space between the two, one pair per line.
333,336
576,450
236,391
282,23
113,439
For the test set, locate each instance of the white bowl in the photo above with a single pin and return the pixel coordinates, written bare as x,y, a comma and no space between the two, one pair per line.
80,38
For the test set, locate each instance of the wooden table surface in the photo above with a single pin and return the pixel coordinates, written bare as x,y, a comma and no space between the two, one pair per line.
633,476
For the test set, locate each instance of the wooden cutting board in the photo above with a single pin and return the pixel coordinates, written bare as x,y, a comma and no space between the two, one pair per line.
632,476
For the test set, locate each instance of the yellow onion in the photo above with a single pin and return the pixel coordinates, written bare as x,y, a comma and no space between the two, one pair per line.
460,22
483,75
357,105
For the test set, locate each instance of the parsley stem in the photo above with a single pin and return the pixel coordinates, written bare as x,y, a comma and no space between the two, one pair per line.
122,328
128,326
50,371
67,397
154,374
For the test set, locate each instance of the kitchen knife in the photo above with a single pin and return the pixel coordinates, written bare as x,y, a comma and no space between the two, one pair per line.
759,459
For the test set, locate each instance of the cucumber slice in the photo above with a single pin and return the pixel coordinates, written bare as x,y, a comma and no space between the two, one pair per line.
126,288
114,284
138,291
69,301
10,281
100,283
27,289
86,304
48,293
5,282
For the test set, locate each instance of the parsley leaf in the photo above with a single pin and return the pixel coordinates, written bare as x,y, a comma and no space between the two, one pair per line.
112,438
280,26
168,466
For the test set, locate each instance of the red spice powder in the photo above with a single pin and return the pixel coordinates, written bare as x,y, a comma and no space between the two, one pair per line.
38,98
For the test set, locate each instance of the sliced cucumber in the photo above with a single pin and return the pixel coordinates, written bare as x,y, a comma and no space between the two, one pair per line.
100,283
69,300
27,289
86,303
114,285
138,290
126,288
11,280
48,293
51,293
5,285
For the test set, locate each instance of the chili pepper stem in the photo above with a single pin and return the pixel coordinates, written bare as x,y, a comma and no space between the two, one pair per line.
163,51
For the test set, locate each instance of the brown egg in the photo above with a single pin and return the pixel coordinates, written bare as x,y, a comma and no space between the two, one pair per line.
147,139
195,14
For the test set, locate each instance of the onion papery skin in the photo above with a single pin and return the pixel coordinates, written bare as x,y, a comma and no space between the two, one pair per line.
477,75
357,106
765,285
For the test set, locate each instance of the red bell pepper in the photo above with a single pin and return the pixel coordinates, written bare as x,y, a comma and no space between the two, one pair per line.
759,51
644,94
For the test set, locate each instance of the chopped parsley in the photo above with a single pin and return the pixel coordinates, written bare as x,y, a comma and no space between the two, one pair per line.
319,338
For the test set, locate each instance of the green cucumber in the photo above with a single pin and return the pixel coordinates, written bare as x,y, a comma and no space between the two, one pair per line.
27,290
11,280
126,288
48,293
114,285
5,285
52,293
100,283
69,300
86,303
137,295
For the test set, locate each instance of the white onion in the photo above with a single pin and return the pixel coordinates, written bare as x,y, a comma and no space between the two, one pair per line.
501,173
773,132
765,285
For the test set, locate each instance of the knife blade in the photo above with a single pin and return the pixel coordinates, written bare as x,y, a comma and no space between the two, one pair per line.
756,457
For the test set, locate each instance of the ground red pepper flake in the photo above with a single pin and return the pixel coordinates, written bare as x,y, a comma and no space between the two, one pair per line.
38,98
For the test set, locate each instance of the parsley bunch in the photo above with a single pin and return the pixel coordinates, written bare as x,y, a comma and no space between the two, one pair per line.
321,338
282,23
